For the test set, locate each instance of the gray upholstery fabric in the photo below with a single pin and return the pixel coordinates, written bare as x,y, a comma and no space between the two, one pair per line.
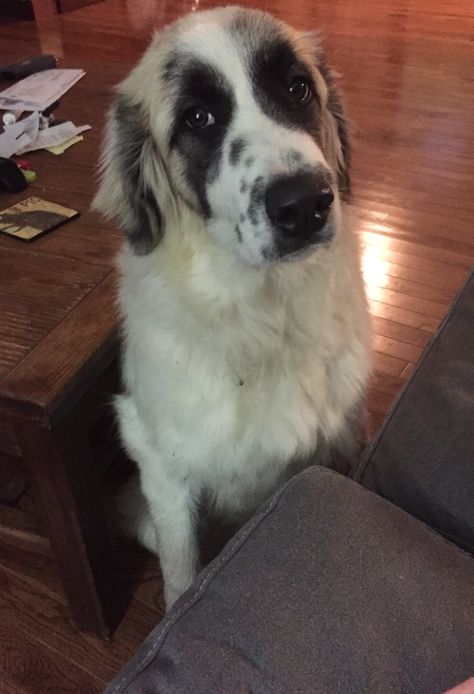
423,457
329,589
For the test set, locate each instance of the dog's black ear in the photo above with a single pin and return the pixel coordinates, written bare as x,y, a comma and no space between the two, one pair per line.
341,147
129,173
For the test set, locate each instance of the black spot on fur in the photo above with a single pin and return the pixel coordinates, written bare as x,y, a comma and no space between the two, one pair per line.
243,217
238,233
294,158
143,224
268,253
249,161
243,186
256,203
236,150
170,70
200,85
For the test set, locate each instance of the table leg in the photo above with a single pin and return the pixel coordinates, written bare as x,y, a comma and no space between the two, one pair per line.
63,472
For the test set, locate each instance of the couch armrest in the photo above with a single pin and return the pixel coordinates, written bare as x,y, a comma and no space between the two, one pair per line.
422,459
328,589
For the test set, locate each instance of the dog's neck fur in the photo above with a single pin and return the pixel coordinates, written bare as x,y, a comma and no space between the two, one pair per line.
223,281
251,315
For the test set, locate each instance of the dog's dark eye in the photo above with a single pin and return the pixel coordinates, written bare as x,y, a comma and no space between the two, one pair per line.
198,118
300,90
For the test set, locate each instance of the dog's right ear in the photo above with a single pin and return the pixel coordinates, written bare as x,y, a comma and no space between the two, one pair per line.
129,177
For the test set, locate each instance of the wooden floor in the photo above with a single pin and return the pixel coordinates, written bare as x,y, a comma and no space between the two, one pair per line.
407,69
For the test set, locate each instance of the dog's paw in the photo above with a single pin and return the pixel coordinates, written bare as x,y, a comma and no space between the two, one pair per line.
135,521
174,589
171,594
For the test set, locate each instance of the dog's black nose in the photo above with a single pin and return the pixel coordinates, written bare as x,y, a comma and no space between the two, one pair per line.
299,205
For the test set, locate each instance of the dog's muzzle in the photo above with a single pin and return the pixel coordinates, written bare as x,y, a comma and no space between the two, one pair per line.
298,207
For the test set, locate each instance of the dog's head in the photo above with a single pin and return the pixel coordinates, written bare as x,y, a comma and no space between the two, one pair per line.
235,116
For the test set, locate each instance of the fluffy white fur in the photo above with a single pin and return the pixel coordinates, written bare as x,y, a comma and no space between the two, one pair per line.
232,367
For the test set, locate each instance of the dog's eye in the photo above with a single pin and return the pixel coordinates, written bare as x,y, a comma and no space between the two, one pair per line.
300,90
198,118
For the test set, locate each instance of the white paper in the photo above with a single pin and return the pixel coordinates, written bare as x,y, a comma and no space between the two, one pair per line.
18,136
38,91
54,136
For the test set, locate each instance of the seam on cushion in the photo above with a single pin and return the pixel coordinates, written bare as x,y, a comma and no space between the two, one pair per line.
360,467
441,539
465,554
423,526
232,550
453,540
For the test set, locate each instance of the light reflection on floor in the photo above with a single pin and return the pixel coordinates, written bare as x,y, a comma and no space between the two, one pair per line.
374,253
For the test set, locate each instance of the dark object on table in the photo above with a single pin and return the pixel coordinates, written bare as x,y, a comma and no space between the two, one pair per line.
51,109
11,178
17,71
330,588
12,10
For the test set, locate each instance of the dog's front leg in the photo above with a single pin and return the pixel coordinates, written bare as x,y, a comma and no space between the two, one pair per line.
171,507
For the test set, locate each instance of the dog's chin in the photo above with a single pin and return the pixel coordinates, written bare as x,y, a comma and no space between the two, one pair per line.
273,255
289,250
296,250
301,254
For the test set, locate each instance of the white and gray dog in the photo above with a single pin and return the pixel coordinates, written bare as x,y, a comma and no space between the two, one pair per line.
246,332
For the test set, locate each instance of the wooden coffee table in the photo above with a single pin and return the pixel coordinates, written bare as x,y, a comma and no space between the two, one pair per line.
58,350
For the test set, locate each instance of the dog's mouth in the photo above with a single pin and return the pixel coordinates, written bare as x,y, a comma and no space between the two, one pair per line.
296,248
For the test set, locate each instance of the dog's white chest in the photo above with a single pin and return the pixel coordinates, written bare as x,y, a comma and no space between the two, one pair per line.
226,398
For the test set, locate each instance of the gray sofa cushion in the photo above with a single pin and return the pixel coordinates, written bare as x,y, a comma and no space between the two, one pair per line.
328,589
423,457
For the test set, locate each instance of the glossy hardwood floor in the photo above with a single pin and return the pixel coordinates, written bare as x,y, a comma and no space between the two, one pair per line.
407,69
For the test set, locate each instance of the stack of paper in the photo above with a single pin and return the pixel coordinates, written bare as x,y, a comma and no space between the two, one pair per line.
54,136
25,136
38,91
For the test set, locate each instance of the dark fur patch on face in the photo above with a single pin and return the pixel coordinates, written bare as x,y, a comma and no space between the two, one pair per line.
243,186
274,66
200,85
238,233
273,63
142,227
236,150
249,161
